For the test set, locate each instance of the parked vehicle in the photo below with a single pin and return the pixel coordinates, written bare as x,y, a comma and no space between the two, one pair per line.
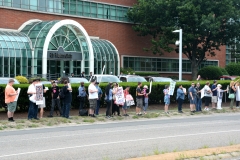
226,77
159,79
132,78
77,80
46,82
73,80
4,80
106,78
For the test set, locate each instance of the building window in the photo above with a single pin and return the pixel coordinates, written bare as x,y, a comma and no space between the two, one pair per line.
160,64
76,7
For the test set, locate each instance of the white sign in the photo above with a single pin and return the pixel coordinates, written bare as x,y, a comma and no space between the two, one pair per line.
172,87
119,96
202,93
39,94
150,88
16,98
129,100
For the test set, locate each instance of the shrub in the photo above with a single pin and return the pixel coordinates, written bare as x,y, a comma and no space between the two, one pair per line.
210,72
233,69
22,79
127,70
224,71
155,97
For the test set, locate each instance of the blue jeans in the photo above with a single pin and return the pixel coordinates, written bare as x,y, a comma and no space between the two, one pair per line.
145,106
97,107
198,104
180,102
66,109
32,110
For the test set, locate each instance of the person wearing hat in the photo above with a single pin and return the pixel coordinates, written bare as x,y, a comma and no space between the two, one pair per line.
33,107
10,95
145,99
99,97
55,99
81,96
219,96
214,94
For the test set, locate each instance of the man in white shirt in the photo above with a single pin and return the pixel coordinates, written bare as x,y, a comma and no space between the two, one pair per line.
93,96
33,108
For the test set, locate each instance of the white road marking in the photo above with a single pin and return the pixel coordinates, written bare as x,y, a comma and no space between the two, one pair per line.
116,142
122,130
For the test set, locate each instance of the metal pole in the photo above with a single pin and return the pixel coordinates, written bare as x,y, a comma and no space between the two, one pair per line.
180,55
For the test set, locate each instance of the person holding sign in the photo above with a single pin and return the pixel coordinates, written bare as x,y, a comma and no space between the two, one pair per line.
125,106
33,107
10,95
166,98
145,100
220,95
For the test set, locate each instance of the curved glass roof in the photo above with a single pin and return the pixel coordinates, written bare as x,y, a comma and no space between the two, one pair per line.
14,44
66,38
105,54
37,32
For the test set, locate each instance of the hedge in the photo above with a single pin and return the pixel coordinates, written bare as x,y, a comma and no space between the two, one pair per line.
210,72
155,97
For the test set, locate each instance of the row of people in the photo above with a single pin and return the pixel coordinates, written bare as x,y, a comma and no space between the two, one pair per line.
213,94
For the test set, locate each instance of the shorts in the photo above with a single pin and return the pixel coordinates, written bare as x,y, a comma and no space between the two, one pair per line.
207,100
12,106
193,101
92,103
167,100
139,102
214,99
125,106
42,105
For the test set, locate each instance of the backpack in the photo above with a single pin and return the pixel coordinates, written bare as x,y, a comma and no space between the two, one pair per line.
83,112
61,94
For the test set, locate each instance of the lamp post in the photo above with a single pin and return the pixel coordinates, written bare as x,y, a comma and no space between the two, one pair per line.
179,42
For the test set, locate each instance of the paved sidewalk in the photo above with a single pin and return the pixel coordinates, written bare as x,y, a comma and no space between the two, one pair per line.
200,154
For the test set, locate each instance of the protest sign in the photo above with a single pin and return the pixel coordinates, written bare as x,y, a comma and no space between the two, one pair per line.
16,98
129,100
172,87
39,94
119,96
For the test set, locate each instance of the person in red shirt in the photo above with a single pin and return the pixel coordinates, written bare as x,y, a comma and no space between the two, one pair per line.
125,107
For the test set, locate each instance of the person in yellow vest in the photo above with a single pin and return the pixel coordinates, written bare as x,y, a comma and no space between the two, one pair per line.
10,95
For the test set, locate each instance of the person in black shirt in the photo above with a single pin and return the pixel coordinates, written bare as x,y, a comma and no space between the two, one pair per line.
82,74
198,100
55,99
66,89
139,99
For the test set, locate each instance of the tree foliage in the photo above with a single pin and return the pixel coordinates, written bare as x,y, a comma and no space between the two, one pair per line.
233,69
210,72
206,25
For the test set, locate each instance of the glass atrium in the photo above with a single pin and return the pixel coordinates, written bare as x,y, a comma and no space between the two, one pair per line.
30,46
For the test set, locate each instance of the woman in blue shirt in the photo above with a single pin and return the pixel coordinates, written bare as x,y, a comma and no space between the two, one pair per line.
180,98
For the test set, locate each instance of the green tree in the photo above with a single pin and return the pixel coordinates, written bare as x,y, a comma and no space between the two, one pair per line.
206,24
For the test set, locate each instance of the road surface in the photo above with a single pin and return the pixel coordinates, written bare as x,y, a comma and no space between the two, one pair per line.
120,140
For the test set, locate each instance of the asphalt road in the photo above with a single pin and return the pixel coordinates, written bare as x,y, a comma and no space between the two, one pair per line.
121,140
